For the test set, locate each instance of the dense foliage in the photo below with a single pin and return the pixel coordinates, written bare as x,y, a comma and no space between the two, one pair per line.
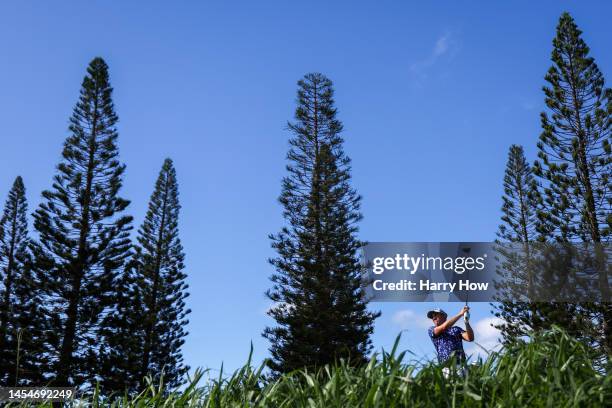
553,369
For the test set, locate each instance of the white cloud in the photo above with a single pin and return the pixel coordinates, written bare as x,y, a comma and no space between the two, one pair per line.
407,319
486,336
441,46
445,47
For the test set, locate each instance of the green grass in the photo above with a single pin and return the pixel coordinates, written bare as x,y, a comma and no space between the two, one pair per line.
552,370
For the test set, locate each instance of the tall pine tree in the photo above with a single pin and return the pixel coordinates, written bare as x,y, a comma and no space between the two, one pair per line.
84,238
321,312
519,199
20,323
519,227
149,326
575,163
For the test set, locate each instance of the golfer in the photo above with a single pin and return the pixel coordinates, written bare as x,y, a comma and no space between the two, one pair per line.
446,337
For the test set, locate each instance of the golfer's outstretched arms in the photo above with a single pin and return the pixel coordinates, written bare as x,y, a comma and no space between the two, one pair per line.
449,323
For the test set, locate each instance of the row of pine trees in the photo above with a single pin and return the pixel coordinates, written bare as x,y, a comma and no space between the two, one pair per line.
566,195
82,303
320,310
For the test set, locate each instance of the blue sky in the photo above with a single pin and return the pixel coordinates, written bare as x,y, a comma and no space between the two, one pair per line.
431,96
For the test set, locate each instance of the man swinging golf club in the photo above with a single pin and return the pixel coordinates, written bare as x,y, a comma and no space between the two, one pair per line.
446,337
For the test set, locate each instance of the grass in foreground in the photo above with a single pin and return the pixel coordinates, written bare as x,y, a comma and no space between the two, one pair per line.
553,370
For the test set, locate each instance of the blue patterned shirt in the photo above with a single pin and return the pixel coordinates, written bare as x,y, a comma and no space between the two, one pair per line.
448,341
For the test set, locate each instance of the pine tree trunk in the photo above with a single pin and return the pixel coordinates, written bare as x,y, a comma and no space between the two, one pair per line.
72,314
